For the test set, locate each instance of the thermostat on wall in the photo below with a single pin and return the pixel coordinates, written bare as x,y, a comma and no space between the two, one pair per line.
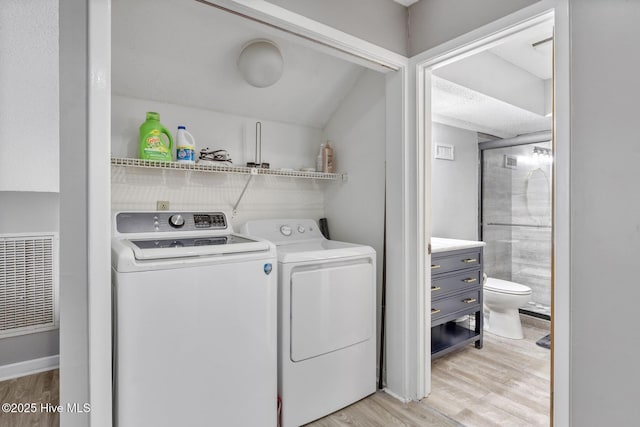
444,151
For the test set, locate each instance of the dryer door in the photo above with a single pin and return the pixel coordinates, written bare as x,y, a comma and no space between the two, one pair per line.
332,307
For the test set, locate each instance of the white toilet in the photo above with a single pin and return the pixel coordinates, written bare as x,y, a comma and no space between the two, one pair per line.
501,302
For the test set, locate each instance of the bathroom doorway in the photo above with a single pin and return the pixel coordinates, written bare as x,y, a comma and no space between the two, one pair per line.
479,122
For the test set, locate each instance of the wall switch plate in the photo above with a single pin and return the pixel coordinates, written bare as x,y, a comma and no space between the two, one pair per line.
162,205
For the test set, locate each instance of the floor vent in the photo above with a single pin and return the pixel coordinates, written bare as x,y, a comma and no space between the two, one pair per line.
28,283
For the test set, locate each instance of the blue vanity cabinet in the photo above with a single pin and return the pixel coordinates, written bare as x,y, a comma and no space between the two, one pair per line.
456,293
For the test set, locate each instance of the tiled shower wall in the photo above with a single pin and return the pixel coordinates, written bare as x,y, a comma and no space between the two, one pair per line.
517,220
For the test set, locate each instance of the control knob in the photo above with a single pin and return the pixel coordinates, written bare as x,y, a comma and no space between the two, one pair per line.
176,221
286,230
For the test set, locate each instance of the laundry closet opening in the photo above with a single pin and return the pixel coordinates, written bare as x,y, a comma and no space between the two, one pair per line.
191,77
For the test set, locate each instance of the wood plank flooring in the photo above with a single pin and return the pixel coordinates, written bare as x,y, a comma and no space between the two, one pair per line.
507,383
504,384
41,388
382,410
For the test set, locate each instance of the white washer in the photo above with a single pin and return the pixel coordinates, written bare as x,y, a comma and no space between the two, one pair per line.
326,319
194,322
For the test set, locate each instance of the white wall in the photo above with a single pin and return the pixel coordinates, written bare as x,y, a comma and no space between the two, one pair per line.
381,22
29,101
454,185
605,218
355,209
433,22
29,201
284,145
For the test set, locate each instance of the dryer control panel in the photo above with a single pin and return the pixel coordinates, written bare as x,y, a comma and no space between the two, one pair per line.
283,230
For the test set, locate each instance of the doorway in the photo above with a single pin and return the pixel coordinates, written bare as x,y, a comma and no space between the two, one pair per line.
430,83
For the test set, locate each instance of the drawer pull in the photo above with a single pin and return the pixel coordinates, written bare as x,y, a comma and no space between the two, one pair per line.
435,311
469,260
435,288
469,300
434,266
470,280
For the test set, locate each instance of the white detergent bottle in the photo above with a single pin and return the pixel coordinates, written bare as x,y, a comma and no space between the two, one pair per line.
185,146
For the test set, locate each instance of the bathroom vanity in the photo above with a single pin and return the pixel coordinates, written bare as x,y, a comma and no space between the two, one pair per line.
456,294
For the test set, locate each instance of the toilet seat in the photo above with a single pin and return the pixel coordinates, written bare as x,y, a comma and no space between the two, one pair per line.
506,287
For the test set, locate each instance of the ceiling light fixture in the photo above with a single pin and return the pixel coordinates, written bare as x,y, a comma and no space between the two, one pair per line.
261,63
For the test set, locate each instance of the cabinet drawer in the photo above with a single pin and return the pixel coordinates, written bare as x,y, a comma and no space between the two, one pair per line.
456,282
463,301
448,263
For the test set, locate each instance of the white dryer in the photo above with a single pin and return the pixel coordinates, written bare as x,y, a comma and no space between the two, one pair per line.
194,322
326,319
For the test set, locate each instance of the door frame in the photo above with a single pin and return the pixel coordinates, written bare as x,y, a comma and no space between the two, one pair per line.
401,354
420,67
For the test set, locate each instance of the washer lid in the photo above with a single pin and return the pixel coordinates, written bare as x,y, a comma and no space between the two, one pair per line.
506,287
319,250
202,246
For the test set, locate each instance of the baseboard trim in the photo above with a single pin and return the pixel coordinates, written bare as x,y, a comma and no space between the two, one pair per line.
395,396
28,367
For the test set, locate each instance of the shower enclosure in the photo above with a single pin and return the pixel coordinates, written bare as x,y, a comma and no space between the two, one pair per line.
515,210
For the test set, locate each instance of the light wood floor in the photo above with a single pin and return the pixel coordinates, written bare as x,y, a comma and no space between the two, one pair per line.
39,388
382,410
507,383
504,384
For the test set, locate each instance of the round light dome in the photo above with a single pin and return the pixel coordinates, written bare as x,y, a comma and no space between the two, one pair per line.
261,63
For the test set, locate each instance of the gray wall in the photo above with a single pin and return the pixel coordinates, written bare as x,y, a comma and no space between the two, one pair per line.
454,185
27,212
381,22
433,22
28,156
357,134
605,217
74,319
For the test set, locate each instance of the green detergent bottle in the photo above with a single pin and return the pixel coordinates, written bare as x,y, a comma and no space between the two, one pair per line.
152,145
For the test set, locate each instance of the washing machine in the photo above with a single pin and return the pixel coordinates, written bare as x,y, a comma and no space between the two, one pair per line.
194,331
326,319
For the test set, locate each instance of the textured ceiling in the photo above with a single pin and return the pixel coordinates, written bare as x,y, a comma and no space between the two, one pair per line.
185,53
518,50
462,107
469,106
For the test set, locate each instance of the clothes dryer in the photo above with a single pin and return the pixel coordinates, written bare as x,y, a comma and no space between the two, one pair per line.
326,319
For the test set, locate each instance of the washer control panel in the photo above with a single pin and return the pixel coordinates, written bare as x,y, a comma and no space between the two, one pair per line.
164,221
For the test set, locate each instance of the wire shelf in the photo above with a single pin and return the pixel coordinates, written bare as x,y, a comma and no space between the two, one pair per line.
155,164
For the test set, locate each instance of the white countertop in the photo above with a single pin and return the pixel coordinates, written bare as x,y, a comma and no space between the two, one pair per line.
439,244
